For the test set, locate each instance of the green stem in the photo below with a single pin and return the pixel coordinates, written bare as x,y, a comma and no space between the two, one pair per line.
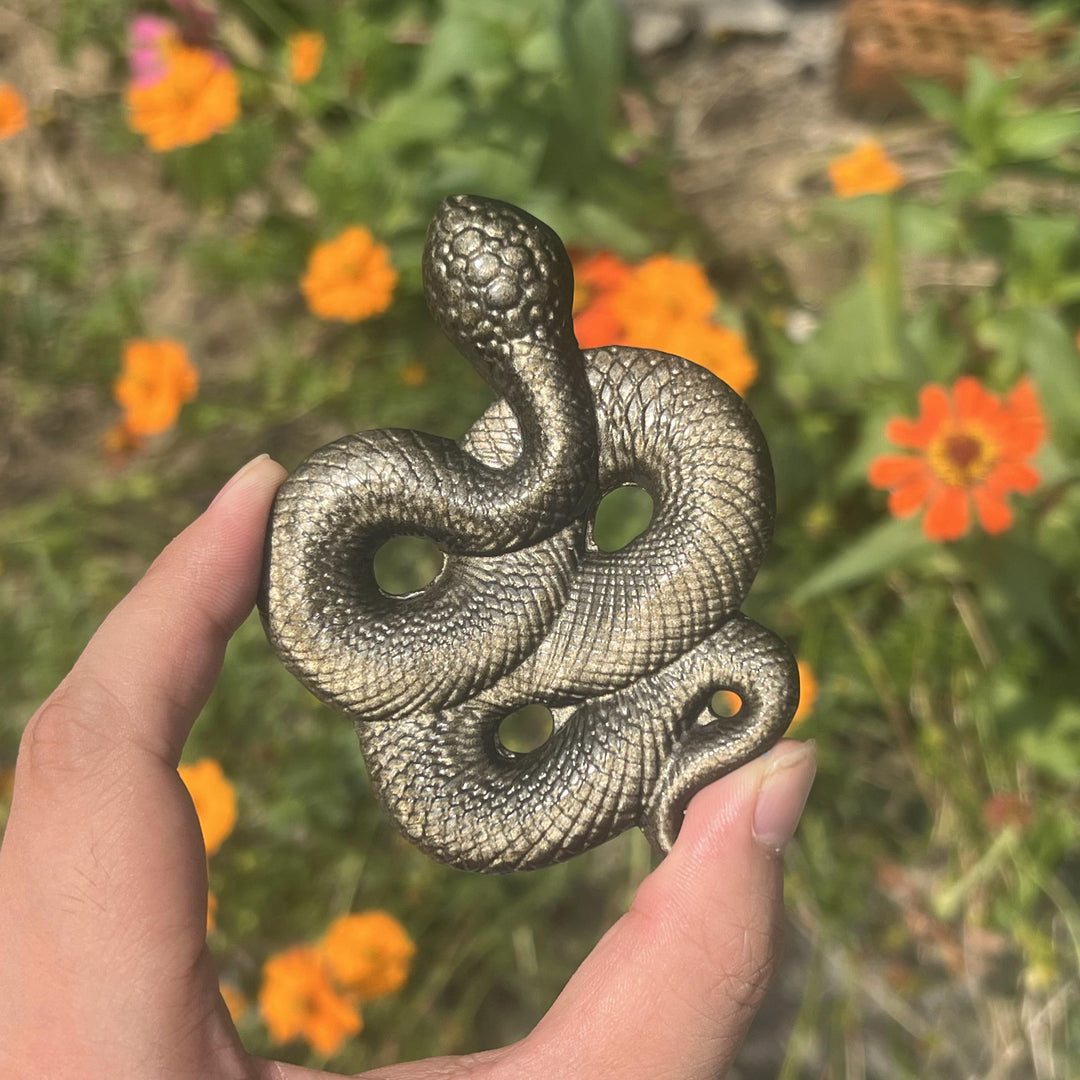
885,275
948,902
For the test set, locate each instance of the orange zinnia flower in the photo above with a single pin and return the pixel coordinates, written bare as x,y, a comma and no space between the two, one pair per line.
597,326
156,380
719,349
867,170
660,291
369,953
12,111
350,277
596,275
234,1000
214,798
972,447
297,999
808,692
596,279
664,304
305,54
197,97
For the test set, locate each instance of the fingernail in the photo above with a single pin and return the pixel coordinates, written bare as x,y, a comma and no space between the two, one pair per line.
250,467
783,793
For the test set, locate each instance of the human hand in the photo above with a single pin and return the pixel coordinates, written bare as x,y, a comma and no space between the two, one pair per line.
104,969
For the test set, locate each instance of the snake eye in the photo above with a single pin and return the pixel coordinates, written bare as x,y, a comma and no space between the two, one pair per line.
526,729
623,514
407,564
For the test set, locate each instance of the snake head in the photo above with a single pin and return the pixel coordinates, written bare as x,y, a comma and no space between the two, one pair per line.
497,278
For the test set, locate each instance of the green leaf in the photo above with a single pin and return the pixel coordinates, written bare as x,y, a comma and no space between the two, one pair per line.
593,36
933,340
413,117
883,547
607,229
466,43
1026,584
1067,289
938,101
929,230
216,171
967,180
1041,246
985,97
1055,746
984,90
498,171
1039,135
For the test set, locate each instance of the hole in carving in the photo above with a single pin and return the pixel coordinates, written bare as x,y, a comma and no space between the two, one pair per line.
407,564
526,729
621,515
725,704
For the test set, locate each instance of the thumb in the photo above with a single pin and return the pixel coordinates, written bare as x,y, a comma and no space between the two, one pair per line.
672,987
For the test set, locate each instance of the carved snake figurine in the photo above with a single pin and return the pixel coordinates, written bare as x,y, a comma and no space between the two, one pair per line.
626,648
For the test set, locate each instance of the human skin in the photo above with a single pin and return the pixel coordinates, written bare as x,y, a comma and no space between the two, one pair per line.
104,968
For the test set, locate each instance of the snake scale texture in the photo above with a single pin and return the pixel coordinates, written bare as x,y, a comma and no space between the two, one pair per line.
626,648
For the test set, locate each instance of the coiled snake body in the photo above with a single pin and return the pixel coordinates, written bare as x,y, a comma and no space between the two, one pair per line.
626,648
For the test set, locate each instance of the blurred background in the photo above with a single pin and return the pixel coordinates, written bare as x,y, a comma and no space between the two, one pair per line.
863,215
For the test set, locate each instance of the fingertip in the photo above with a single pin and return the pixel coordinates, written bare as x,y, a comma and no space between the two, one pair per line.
766,794
785,787
259,478
726,849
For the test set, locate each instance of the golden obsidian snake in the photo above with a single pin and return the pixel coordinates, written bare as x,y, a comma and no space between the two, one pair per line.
626,648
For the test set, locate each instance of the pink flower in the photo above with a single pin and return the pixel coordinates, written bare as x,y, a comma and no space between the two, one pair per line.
153,39
151,36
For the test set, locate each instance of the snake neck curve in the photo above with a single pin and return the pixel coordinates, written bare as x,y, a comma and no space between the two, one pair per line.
500,285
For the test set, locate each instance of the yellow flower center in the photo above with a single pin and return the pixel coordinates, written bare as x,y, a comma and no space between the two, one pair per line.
962,457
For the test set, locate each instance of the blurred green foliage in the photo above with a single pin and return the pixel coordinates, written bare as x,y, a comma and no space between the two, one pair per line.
947,719
948,671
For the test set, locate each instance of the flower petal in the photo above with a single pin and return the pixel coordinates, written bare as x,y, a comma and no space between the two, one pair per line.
597,326
948,515
934,405
892,470
994,513
905,500
601,272
905,433
972,401
1013,476
1026,426
934,411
